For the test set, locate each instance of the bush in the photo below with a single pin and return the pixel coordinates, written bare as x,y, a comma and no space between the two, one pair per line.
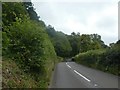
26,42
105,60
29,45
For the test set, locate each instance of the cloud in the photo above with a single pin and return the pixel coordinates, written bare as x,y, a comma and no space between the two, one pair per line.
74,0
83,17
106,22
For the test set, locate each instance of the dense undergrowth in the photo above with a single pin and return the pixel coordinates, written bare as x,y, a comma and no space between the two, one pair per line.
106,60
14,77
26,46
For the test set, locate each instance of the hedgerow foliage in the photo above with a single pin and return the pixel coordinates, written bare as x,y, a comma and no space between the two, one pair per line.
105,59
25,41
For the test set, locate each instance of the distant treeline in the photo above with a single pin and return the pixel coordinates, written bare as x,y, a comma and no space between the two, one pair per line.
70,45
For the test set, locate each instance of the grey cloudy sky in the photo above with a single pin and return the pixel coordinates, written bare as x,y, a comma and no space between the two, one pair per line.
84,16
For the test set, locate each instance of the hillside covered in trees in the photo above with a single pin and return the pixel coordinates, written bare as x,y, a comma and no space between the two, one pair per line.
30,49
26,42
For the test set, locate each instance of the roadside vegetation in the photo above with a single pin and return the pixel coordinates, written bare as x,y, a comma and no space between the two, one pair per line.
14,77
106,60
31,49
26,44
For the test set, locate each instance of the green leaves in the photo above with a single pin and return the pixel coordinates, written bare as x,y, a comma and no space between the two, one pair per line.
11,10
91,42
29,45
30,9
84,42
60,42
26,42
74,40
103,59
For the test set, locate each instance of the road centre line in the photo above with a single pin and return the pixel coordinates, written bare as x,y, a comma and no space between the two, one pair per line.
69,66
81,75
95,85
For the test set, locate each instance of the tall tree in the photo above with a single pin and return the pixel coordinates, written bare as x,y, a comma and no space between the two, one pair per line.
31,11
60,42
91,42
12,11
74,40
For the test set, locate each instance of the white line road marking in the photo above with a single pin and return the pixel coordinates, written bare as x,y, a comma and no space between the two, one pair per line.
69,66
82,76
95,85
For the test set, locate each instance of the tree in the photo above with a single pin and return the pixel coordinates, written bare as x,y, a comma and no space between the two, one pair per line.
60,42
12,11
31,11
91,42
74,40
97,42
85,42
26,41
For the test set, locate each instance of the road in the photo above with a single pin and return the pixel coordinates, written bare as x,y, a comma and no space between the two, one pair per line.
73,75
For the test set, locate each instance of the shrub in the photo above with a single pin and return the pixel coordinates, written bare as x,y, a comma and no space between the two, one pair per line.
29,45
105,60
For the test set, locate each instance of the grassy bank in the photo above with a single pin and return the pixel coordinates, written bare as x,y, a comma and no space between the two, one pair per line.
14,77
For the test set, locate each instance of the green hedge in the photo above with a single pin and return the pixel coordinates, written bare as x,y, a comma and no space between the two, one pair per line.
27,43
106,60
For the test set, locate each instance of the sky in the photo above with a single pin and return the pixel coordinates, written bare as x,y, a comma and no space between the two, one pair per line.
83,16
